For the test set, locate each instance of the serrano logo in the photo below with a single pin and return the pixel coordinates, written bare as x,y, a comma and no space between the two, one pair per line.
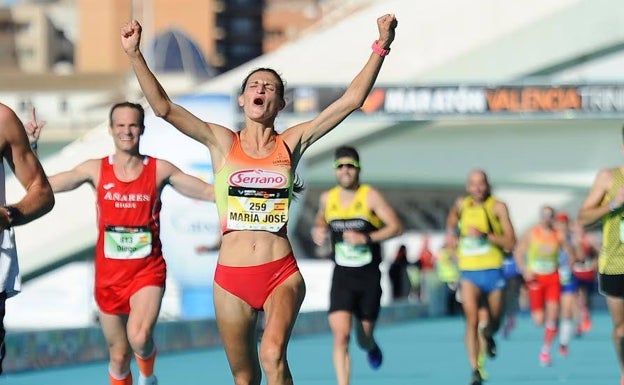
257,178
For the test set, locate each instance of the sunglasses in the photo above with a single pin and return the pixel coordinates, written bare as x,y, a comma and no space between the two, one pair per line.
351,164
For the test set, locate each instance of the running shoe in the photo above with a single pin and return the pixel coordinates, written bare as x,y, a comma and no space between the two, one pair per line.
374,357
579,331
481,366
490,346
476,378
509,326
481,360
563,350
544,359
151,380
586,325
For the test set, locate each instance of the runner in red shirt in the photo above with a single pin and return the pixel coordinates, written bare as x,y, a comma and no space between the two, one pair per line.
130,270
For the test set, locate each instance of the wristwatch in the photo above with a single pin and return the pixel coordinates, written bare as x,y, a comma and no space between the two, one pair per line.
12,213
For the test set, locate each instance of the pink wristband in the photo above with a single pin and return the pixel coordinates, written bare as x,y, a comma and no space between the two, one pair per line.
378,50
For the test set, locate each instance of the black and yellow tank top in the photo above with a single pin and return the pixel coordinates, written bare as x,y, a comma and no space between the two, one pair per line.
478,253
357,216
611,258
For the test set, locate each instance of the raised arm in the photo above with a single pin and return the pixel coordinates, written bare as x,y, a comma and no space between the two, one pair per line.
38,198
86,172
185,184
33,129
355,95
156,96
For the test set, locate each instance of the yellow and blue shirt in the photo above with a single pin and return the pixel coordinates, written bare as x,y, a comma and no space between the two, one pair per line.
478,253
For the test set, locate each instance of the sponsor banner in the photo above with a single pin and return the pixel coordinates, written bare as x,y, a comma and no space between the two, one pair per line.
472,100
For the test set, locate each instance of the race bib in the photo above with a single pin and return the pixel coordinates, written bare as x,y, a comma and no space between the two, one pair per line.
474,246
255,209
121,242
543,266
622,230
565,275
349,255
583,266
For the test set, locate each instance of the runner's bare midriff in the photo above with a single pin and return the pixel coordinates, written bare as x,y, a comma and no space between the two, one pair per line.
250,248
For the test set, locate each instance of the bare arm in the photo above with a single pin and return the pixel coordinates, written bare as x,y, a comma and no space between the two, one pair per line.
570,251
520,252
33,130
319,231
156,96
592,209
38,199
392,224
185,184
506,240
452,221
86,172
353,98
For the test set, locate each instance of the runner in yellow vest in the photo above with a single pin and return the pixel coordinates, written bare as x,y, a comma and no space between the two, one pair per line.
480,227
357,218
605,202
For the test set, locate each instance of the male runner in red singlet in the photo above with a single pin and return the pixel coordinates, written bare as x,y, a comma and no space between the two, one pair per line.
254,185
130,270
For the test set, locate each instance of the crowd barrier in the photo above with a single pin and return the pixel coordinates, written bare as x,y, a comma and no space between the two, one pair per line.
31,350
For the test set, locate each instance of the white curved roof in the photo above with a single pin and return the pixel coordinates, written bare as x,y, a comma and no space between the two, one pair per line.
450,41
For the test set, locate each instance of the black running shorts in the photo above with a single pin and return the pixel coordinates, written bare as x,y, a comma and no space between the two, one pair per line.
356,292
611,285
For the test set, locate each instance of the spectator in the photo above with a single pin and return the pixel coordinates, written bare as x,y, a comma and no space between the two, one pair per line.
425,256
448,274
397,273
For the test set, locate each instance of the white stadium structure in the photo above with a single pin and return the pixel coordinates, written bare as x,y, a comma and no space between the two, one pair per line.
530,91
